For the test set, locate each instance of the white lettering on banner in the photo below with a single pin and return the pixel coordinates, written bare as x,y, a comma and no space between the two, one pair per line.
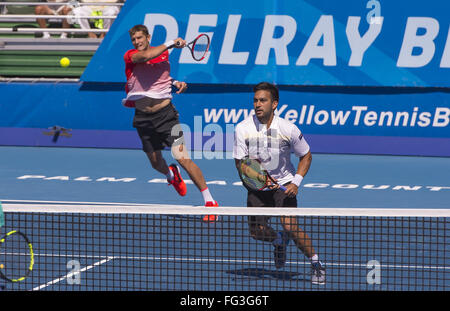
424,119
358,110
227,56
279,45
321,43
442,117
358,44
412,40
327,51
357,116
193,30
445,61
338,186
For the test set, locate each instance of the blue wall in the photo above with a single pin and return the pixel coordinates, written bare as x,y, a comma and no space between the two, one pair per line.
94,113
368,77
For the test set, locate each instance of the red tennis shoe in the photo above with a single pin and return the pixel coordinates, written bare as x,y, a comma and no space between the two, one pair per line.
177,181
211,218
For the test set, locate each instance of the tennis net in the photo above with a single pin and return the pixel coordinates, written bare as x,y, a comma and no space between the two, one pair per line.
157,247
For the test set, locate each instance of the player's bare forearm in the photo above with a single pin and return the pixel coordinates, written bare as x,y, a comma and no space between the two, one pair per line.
302,169
248,171
152,52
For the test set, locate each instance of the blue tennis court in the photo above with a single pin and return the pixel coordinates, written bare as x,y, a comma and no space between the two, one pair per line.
98,200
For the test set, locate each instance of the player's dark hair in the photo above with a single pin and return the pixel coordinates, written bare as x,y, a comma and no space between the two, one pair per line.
137,28
266,86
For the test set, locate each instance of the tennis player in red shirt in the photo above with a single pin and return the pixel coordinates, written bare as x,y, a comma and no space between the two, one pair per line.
149,91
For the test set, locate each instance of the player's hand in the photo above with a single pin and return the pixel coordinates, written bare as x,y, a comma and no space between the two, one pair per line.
291,190
181,86
179,43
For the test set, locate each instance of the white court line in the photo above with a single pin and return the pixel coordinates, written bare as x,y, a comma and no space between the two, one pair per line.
305,263
207,260
73,273
239,261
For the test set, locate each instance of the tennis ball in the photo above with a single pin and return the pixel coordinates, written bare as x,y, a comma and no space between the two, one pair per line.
1,266
64,62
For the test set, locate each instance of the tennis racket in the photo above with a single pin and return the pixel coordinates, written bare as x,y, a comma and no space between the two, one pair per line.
16,256
254,176
199,47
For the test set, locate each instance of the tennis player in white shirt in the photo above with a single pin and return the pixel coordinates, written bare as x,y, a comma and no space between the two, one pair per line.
271,139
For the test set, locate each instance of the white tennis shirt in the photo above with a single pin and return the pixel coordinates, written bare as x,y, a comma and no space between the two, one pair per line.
272,146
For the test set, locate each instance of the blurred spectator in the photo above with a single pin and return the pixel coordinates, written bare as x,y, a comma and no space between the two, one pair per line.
100,10
53,10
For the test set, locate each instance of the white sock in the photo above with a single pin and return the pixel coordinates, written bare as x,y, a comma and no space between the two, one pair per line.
169,175
207,195
315,258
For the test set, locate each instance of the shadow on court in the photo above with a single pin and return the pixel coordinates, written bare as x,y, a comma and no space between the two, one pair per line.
260,273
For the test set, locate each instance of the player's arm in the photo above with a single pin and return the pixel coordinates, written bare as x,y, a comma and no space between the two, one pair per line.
302,170
304,164
152,52
240,148
300,148
249,171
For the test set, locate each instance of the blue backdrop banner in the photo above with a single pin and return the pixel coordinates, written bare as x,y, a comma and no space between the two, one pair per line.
292,42
408,122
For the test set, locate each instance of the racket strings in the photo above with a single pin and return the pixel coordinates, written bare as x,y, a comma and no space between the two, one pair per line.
251,172
15,257
200,47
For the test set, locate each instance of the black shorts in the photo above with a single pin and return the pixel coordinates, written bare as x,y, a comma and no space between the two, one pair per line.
155,129
272,198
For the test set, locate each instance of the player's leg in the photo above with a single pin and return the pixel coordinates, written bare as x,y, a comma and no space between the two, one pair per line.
261,230
301,239
180,154
173,134
259,226
158,162
152,146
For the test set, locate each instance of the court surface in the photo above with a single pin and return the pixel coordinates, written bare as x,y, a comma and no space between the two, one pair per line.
69,176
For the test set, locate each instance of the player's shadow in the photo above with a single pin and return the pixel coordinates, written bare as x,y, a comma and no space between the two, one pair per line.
259,273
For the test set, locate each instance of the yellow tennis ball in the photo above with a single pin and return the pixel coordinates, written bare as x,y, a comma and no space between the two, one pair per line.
1,266
64,62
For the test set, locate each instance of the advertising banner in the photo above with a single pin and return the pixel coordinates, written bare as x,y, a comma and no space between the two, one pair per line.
294,42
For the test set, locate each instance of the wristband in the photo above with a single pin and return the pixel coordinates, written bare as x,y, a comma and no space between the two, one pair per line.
297,180
174,82
170,43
